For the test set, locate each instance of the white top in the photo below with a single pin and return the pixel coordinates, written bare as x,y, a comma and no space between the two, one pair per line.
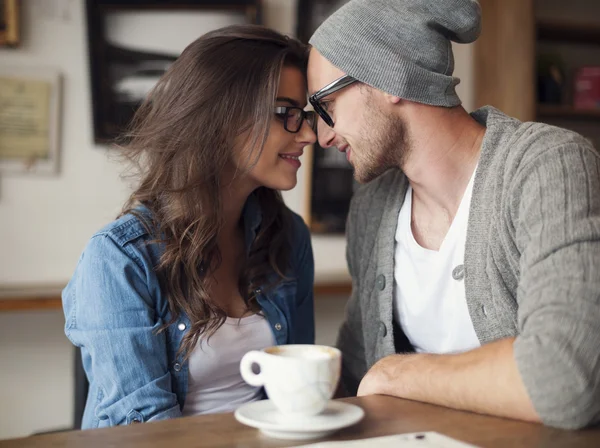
214,380
429,288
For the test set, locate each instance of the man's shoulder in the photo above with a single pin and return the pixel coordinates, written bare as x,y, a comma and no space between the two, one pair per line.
541,136
525,141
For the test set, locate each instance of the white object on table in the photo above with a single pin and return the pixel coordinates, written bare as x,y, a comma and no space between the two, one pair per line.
413,440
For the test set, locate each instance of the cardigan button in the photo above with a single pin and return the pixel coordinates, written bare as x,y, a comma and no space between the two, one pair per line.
381,282
458,273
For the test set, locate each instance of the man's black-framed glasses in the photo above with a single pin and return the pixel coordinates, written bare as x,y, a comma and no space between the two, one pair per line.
293,118
316,98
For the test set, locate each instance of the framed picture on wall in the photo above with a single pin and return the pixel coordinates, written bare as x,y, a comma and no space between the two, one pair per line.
311,13
9,23
29,120
131,43
331,181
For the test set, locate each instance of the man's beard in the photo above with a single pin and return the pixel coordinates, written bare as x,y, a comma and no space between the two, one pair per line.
386,146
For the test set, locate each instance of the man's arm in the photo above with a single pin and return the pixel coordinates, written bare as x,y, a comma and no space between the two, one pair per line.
484,380
555,211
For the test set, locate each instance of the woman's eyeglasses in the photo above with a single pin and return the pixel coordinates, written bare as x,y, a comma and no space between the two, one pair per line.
336,85
293,117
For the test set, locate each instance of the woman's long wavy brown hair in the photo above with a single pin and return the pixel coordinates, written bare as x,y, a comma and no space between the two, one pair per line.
181,140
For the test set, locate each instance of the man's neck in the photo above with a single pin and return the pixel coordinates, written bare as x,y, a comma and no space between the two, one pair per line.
445,150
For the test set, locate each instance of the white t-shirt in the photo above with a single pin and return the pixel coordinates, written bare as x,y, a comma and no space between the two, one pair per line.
429,289
214,381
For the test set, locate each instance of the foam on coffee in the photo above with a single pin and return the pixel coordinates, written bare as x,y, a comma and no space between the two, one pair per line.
303,352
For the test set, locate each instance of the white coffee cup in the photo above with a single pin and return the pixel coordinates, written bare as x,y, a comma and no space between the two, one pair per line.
299,379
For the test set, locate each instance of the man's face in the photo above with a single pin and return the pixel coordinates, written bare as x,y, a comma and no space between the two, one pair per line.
373,139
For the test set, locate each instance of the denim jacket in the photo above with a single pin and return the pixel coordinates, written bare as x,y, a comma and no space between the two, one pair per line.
114,307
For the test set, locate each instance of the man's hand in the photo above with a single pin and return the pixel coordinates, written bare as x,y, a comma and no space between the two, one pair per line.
484,380
369,385
380,378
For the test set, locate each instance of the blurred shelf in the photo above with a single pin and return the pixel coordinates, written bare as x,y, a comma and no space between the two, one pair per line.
567,112
32,304
342,288
47,297
568,31
30,297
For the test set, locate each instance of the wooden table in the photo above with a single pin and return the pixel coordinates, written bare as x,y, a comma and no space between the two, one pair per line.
384,416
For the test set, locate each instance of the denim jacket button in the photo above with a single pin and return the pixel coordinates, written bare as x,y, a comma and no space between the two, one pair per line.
258,291
181,326
177,367
278,326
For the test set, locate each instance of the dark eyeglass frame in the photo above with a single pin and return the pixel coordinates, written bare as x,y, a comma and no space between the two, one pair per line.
307,115
315,99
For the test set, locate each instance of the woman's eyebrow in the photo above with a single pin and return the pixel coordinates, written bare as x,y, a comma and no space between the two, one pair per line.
286,99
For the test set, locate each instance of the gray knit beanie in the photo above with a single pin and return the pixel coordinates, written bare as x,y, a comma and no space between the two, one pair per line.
402,47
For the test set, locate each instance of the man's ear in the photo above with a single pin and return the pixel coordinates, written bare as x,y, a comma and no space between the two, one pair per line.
392,99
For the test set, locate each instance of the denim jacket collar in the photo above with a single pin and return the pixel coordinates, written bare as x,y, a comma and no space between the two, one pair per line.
252,216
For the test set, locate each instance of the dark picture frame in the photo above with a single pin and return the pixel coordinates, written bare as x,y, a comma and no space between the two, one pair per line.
311,13
119,76
331,179
9,23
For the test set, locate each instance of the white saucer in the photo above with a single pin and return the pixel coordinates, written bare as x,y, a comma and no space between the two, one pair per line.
264,416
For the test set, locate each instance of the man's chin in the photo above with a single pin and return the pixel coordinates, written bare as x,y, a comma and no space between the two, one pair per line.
365,176
360,177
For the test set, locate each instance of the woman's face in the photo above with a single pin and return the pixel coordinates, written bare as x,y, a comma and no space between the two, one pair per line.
280,159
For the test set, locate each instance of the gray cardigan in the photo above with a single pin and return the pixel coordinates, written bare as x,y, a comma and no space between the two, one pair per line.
532,265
